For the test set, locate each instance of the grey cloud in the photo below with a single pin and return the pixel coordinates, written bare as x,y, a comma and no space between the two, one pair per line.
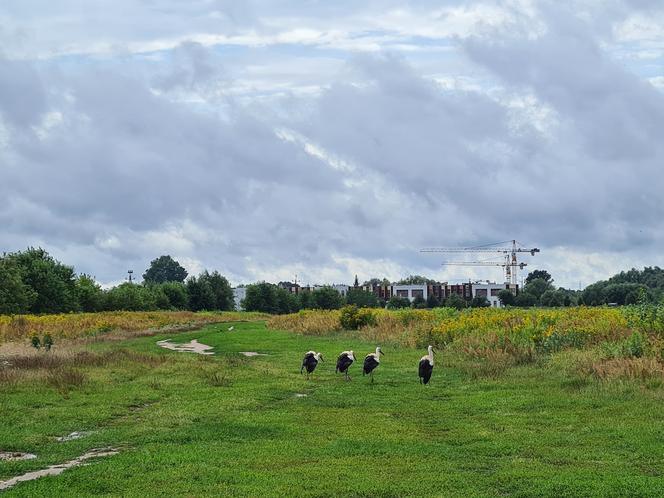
124,172
22,95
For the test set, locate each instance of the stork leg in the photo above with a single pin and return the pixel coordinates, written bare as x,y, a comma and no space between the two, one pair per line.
372,381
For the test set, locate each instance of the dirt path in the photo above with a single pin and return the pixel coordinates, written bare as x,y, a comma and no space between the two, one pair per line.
55,470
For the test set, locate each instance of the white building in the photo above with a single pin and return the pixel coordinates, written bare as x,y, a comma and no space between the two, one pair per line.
341,289
490,290
239,293
410,291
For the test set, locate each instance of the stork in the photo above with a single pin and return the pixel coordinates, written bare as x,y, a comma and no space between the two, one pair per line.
371,361
310,360
426,366
345,360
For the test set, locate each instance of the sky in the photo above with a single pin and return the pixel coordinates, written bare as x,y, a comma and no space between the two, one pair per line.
272,138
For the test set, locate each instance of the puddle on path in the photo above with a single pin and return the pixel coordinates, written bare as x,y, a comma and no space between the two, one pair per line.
71,437
11,456
188,347
252,353
55,470
300,395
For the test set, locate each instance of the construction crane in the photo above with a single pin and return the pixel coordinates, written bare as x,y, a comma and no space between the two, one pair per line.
510,263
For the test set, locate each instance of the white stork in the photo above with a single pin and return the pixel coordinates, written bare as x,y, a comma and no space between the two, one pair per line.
310,360
345,360
426,366
371,361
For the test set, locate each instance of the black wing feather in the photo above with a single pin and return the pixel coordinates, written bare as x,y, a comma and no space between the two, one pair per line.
343,362
369,364
425,370
309,362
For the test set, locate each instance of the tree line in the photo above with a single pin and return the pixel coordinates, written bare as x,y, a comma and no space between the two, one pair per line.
32,281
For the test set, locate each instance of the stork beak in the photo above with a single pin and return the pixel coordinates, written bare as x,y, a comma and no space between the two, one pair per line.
434,350
381,352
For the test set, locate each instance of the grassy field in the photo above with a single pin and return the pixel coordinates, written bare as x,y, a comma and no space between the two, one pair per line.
227,425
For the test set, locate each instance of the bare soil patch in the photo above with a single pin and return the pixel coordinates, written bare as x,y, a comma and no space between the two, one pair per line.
192,346
55,470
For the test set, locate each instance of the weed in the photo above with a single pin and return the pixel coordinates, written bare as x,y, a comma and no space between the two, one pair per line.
64,379
218,379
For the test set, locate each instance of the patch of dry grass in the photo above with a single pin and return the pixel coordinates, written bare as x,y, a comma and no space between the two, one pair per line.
124,324
307,322
60,368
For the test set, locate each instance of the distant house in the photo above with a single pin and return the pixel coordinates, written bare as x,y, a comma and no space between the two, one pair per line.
239,293
410,292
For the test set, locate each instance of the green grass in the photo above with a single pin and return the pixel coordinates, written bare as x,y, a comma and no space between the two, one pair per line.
227,425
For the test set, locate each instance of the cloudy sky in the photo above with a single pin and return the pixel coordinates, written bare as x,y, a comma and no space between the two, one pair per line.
268,138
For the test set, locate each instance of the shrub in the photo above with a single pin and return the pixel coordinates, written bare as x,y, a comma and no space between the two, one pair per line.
397,302
353,318
65,379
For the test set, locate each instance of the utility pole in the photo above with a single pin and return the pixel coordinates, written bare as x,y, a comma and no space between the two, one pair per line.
130,277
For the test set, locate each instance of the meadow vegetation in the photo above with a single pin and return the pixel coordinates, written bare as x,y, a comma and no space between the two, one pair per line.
122,324
228,425
611,342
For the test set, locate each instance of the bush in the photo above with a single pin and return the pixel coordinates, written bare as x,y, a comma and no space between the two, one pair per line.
479,302
455,301
397,302
419,303
353,318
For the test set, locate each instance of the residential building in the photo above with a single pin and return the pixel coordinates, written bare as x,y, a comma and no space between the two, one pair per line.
239,293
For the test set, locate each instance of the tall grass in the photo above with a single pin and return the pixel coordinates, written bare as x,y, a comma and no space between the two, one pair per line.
491,340
75,325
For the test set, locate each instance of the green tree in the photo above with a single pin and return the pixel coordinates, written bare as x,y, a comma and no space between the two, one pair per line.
306,300
327,298
506,297
164,269
286,302
129,297
539,274
415,280
397,302
537,287
52,283
261,297
201,294
432,301
223,293
418,303
377,281
525,300
455,301
176,292
15,295
479,302
89,293
361,298
593,295
553,298
618,293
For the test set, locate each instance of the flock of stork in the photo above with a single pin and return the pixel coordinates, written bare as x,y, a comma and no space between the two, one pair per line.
371,361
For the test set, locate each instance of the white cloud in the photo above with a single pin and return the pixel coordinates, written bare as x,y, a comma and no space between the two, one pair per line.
265,139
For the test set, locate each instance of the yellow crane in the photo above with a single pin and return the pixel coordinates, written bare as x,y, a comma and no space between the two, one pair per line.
510,263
